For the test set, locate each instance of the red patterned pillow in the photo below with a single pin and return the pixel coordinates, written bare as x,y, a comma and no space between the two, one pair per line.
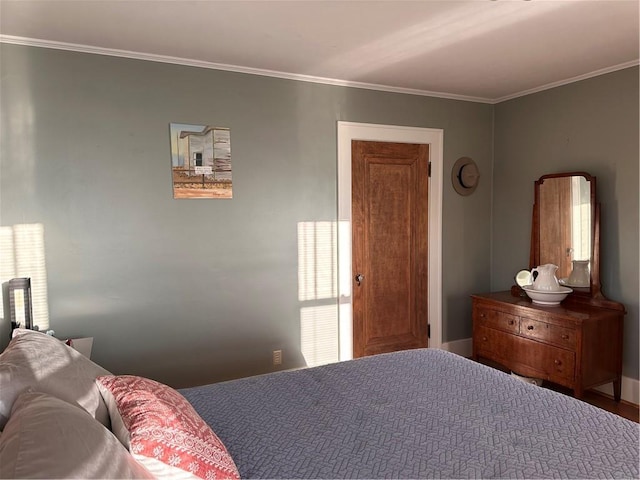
163,431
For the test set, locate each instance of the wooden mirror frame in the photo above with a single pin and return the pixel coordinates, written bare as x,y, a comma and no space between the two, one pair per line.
592,294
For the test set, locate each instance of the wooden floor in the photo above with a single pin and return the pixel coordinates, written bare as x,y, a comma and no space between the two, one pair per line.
606,402
623,408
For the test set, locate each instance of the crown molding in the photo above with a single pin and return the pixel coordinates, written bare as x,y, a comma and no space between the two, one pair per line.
596,73
34,42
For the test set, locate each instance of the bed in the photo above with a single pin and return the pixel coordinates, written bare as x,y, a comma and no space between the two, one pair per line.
414,414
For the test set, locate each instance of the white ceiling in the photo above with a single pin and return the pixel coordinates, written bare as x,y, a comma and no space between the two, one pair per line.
477,50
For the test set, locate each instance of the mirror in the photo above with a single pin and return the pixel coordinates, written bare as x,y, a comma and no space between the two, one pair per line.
565,230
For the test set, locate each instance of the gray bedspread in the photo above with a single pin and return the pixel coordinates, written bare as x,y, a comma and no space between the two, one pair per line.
414,414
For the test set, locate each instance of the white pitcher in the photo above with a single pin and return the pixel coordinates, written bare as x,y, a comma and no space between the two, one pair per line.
580,274
546,279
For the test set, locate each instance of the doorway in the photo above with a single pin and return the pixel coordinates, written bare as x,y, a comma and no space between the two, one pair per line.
348,131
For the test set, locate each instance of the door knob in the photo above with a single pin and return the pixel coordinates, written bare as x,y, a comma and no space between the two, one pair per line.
359,278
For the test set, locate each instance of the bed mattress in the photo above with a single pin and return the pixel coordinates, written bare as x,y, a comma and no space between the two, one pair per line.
415,414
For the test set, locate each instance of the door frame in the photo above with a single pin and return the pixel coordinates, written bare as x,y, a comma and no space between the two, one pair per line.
348,131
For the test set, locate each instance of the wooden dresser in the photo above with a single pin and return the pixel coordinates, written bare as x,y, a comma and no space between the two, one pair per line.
576,345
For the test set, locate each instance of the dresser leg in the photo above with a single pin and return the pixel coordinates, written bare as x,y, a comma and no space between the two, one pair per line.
578,392
617,390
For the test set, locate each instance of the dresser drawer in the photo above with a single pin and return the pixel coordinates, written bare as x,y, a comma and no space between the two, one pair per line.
548,333
526,357
487,317
492,344
544,361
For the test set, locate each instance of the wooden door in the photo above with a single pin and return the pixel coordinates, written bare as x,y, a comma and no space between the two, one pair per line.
389,246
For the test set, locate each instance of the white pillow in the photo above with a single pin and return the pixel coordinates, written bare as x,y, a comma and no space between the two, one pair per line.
46,437
44,363
163,431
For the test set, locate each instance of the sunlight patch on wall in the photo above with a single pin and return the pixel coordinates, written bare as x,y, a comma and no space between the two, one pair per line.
22,255
319,334
317,276
317,292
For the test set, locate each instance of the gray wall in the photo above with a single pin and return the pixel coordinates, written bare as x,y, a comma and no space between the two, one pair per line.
192,291
589,126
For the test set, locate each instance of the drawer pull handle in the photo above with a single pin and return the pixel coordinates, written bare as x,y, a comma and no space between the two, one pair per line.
530,327
484,339
511,322
565,337
557,362
482,315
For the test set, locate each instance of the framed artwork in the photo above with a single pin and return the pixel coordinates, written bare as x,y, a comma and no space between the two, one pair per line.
200,161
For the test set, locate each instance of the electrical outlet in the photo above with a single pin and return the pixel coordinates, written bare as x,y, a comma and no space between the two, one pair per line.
277,357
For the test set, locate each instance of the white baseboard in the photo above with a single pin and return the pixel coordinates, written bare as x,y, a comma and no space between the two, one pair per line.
459,347
630,386
630,390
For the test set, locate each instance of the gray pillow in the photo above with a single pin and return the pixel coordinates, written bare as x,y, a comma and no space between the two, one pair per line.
44,363
46,437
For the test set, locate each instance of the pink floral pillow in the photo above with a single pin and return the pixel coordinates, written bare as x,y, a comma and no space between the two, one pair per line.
163,431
